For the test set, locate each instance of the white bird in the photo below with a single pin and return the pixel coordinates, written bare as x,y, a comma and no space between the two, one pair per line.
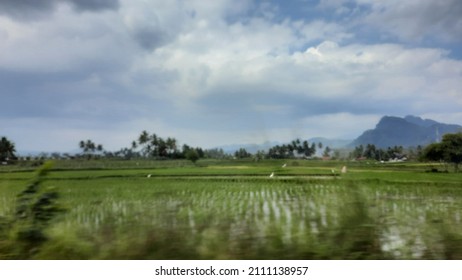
344,169
333,171
149,176
272,175
284,165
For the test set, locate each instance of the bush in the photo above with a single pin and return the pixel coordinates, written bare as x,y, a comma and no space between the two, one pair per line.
24,233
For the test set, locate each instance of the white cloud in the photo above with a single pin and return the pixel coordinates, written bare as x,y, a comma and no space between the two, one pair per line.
64,42
342,125
350,79
214,72
449,118
413,20
322,30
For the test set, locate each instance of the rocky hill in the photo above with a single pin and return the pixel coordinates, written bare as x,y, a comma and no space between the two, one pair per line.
409,131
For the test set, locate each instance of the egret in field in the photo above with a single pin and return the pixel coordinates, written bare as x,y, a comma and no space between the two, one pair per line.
149,176
284,165
344,169
271,175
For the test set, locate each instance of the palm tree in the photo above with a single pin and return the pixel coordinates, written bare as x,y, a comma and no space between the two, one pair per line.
89,147
144,137
134,145
82,145
7,149
143,141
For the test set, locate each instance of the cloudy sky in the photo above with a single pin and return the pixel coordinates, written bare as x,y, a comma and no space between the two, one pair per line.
214,72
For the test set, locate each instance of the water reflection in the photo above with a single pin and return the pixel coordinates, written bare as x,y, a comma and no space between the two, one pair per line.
404,222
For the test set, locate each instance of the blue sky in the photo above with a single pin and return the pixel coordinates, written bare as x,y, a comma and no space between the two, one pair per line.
220,72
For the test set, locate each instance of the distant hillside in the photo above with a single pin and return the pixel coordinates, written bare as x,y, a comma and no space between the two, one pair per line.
407,132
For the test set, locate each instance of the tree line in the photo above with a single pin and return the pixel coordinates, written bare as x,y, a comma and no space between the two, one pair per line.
152,146
372,152
447,151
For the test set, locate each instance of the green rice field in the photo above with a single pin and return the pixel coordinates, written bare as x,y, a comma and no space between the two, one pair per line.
234,210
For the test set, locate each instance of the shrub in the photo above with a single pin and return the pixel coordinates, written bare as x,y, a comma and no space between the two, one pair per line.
24,232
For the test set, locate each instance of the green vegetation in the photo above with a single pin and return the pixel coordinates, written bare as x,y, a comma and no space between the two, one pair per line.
7,149
449,150
89,148
192,155
23,232
232,209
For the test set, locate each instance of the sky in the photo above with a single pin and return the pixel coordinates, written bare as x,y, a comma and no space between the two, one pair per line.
217,72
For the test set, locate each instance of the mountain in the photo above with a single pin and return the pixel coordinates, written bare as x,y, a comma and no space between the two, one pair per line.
419,121
407,132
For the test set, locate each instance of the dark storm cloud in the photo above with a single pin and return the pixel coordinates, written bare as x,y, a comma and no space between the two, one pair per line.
34,9
26,9
21,91
150,38
420,19
95,5
66,95
27,95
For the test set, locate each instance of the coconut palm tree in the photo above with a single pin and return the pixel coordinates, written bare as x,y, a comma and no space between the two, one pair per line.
143,141
144,137
89,147
134,145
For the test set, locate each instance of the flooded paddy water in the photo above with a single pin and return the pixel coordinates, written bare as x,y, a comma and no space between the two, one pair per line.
239,219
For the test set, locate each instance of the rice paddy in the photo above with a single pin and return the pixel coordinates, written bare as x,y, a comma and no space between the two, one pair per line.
234,210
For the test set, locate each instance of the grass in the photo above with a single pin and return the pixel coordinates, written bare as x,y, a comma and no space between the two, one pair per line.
233,210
